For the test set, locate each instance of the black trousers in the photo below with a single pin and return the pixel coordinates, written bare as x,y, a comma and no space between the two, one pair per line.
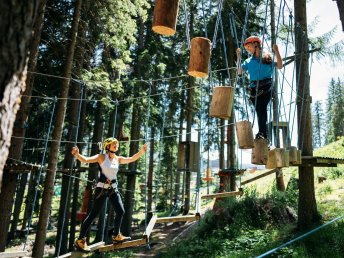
100,196
261,107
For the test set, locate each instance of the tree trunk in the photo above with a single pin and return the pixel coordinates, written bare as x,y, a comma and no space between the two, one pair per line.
48,192
6,196
68,159
279,174
29,199
14,44
307,211
16,22
18,204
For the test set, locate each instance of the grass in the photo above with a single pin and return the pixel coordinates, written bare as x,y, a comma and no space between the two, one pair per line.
241,234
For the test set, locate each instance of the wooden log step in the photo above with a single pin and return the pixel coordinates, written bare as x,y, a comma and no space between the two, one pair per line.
13,254
116,246
93,247
259,176
179,218
221,195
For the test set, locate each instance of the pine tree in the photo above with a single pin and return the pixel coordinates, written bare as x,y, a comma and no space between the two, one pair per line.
318,124
335,111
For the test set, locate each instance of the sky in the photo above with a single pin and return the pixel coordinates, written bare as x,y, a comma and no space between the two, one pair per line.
323,71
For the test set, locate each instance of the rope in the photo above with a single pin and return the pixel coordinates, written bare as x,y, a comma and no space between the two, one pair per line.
40,172
146,140
300,237
160,149
217,23
187,24
69,179
198,192
282,84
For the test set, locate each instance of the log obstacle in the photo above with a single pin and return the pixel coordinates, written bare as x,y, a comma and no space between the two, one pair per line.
165,17
199,57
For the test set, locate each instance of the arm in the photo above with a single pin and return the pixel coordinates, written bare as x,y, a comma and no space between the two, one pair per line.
278,57
81,158
238,52
126,160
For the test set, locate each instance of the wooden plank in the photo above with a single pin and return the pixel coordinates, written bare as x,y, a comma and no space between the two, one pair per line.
259,176
178,218
93,247
221,195
126,244
150,226
13,254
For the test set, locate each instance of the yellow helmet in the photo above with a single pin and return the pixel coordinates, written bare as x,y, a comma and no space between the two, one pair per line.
108,141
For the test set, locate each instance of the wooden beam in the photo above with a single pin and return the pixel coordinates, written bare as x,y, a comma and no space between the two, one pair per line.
259,176
13,254
179,218
313,161
93,247
126,244
150,226
222,195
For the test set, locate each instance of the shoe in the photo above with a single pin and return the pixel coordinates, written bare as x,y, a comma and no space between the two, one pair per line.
82,246
260,136
120,238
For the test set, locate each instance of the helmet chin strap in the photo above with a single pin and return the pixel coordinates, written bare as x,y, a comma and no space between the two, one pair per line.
112,151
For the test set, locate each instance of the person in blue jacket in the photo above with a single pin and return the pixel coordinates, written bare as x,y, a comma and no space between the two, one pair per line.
106,188
260,67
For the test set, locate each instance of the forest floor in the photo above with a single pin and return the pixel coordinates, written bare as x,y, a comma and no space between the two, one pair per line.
164,235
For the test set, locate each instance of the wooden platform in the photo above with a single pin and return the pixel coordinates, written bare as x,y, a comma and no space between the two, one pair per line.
13,254
134,243
222,195
184,218
313,161
259,176
137,242
93,247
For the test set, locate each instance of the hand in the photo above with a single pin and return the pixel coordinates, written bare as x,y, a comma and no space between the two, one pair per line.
275,48
144,148
238,52
75,151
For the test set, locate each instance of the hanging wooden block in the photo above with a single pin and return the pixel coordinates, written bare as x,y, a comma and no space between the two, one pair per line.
272,161
165,17
181,156
260,152
280,157
222,102
193,164
208,176
299,158
287,159
244,134
292,155
199,57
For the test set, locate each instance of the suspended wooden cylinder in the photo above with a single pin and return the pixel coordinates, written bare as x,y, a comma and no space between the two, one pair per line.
165,17
272,161
199,57
299,158
260,152
281,157
193,162
245,135
208,176
292,155
287,160
222,102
